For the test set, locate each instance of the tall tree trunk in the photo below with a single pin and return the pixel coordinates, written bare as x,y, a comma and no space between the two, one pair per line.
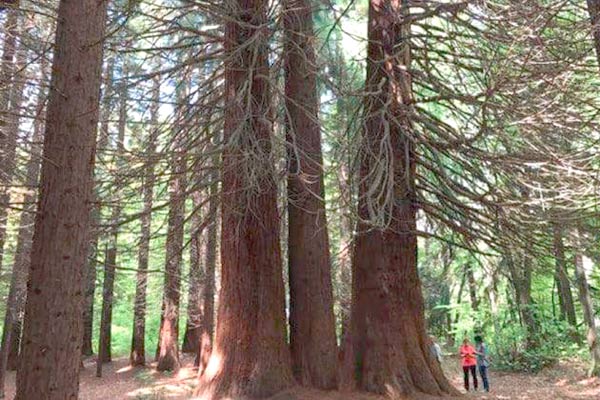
108,285
587,304
567,307
346,224
390,344
210,266
8,138
93,249
11,337
197,272
191,338
138,348
312,323
49,366
521,281
525,301
110,262
594,11
168,346
345,261
251,358
472,287
89,293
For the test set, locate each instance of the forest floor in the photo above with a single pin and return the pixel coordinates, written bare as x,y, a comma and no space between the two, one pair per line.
565,381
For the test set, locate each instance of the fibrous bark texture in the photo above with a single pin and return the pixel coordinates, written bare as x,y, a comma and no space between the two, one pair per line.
94,251
51,346
90,290
110,262
138,348
208,294
390,346
193,326
250,358
312,324
168,347
108,288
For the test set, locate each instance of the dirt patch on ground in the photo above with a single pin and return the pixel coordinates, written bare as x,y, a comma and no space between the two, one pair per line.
566,381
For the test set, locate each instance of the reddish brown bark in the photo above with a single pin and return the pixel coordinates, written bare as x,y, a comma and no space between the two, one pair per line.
390,346
138,349
168,349
93,250
250,358
90,290
312,325
191,338
168,346
51,346
208,294
108,286
110,263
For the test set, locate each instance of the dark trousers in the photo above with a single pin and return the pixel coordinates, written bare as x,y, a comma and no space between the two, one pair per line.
484,378
473,373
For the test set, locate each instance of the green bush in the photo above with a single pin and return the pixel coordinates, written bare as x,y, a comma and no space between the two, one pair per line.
551,343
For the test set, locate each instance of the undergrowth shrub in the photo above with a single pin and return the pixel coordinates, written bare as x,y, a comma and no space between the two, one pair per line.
551,343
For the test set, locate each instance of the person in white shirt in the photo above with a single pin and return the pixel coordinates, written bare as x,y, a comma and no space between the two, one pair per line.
436,350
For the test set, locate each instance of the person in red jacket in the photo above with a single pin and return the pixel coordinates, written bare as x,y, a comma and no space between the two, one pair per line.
469,363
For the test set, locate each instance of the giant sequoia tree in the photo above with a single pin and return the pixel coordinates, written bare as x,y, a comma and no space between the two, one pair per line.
476,128
250,357
312,326
53,328
137,356
168,346
390,347
111,253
